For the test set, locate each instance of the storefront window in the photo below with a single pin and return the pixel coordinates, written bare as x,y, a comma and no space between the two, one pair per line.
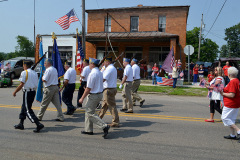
158,54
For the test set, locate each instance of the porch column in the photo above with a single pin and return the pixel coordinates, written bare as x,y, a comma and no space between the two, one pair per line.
173,43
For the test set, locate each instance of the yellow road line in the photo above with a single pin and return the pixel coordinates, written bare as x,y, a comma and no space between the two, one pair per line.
152,116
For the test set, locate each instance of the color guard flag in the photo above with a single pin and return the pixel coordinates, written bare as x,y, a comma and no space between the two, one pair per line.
39,94
66,20
57,62
80,54
169,62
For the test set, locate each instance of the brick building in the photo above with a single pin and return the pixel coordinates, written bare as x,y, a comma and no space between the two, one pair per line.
144,31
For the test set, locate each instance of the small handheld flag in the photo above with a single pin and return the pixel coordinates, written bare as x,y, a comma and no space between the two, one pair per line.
66,20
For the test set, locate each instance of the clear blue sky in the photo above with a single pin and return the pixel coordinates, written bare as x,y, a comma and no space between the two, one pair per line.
16,16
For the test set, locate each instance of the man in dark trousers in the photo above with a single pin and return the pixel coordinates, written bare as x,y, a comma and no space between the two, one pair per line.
69,88
29,83
83,80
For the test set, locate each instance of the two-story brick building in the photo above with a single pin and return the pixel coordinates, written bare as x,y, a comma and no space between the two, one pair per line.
146,31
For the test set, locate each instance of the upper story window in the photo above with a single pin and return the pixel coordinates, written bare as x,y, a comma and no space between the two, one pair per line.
134,24
107,24
162,24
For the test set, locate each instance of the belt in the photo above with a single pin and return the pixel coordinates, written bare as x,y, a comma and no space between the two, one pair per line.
28,90
136,80
95,93
108,88
51,86
128,81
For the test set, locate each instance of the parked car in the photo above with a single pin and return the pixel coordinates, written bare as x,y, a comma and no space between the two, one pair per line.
16,66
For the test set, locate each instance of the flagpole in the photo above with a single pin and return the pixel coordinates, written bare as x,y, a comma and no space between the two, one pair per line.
34,27
83,27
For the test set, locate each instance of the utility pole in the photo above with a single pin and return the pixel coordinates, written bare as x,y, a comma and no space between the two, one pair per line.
83,27
34,28
200,37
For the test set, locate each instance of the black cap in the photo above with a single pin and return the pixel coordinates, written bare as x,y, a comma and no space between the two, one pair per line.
68,63
108,59
86,60
27,62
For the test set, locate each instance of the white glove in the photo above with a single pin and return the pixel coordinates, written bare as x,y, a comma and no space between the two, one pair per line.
120,87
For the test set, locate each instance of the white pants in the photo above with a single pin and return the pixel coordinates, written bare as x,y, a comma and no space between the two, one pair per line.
229,115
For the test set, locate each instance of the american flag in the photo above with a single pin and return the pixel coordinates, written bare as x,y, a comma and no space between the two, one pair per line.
164,81
66,20
80,54
173,59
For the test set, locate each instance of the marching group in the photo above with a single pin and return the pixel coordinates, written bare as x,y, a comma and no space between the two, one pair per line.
95,85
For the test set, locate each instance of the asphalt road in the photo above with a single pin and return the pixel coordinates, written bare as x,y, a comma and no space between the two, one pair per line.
166,127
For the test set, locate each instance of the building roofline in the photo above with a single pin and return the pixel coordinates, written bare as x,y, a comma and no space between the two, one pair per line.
131,8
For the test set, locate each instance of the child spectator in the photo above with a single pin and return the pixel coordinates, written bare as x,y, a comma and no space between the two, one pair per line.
210,76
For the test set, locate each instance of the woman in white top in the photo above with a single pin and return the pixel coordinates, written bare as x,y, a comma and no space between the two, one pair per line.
215,96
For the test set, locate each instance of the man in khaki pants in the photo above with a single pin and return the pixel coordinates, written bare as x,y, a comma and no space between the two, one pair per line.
109,92
50,91
93,92
127,87
136,82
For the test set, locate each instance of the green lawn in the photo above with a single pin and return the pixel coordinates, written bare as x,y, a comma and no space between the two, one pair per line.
166,90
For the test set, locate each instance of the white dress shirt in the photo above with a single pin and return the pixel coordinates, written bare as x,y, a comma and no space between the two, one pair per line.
136,72
70,75
50,76
86,71
32,79
110,75
95,81
129,73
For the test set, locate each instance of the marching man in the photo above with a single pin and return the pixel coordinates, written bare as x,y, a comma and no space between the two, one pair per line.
136,82
127,87
69,88
93,92
29,83
109,92
83,80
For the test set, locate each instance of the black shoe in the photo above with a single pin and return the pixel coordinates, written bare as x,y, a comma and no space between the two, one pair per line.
19,126
58,120
68,113
123,110
105,130
238,137
99,106
129,112
141,103
230,137
39,127
88,133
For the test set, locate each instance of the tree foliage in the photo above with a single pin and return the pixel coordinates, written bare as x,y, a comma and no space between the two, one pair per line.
25,47
2,56
233,42
208,49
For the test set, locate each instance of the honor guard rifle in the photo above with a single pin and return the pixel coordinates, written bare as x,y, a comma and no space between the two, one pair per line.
34,66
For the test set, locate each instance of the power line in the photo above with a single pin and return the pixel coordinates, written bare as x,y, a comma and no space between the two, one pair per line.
208,9
216,18
97,4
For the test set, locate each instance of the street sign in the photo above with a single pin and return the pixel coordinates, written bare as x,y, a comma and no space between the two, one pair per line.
188,49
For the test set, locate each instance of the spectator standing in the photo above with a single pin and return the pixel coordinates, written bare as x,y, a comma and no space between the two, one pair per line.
175,75
201,72
215,96
195,73
225,69
210,76
149,71
155,70
231,99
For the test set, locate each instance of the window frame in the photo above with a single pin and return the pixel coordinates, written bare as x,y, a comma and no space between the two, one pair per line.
163,29
107,25
131,24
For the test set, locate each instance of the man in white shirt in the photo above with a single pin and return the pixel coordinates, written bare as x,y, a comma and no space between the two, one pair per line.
109,92
136,82
93,92
50,91
29,82
83,80
127,87
69,88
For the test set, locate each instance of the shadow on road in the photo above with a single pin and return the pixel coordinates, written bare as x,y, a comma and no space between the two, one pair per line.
125,133
136,123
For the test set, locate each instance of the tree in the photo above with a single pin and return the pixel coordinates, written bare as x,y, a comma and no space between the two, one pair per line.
25,47
208,49
233,40
224,51
2,56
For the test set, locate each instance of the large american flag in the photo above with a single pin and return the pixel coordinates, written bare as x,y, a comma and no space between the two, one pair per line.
66,20
169,62
80,54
